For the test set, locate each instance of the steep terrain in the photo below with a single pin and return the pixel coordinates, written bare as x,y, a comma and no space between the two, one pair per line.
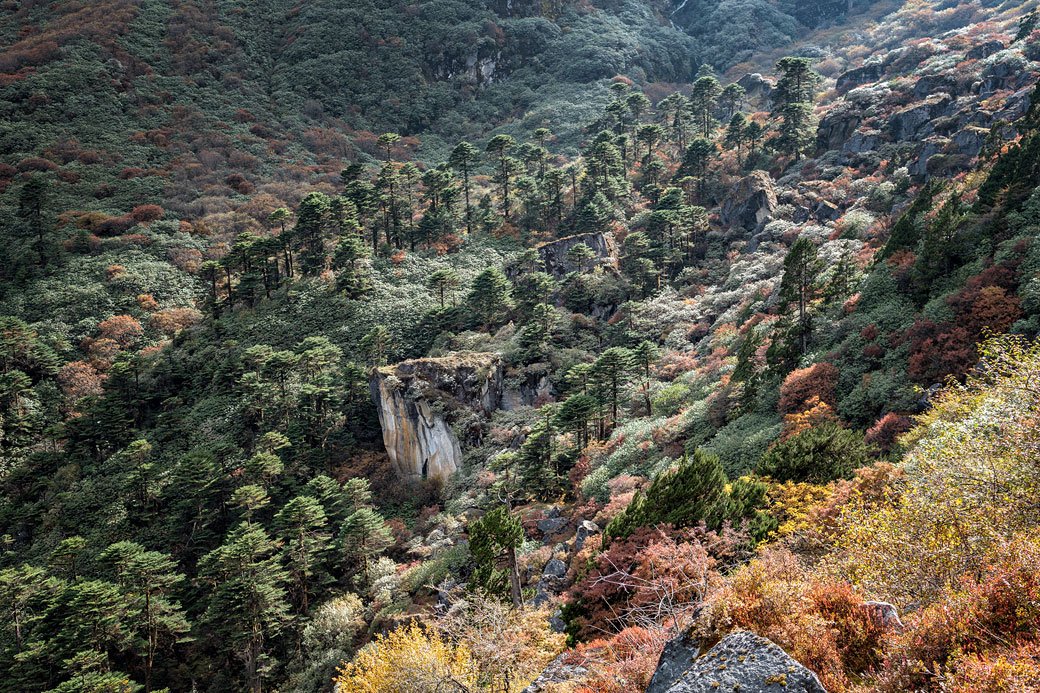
684,344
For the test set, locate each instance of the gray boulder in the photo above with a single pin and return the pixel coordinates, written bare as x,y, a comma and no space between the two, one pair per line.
838,126
552,525
885,615
984,50
758,89
860,75
585,530
555,568
674,661
747,663
907,123
559,671
750,202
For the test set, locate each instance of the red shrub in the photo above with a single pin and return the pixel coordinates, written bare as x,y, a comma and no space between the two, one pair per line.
122,329
80,379
887,429
146,213
818,380
985,636
36,164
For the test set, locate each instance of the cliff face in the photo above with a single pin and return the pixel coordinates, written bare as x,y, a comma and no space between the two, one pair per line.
554,254
422,402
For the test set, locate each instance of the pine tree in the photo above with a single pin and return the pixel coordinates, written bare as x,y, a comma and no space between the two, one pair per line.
33,198
352,275
363,536
462,159
247,606
537,474
793,104
799,287
704,98
387,141
612,371
643,358
731,97
692,493
506,166
489,296
536,335
696,162
301,527
443,280
148,580
575,415
496,534
312,217
736,134
376,345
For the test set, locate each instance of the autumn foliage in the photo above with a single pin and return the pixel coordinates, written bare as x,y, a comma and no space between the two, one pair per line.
818,380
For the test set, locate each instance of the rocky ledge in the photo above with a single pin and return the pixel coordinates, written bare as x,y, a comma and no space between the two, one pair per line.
422,402
742,661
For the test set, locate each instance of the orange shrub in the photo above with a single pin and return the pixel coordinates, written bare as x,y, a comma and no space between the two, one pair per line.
173,320
79,379
147,302
123,329
818,380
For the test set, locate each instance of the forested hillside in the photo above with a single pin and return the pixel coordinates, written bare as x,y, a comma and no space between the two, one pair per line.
474,346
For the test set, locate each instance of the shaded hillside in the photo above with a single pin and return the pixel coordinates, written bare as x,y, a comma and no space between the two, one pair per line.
670,324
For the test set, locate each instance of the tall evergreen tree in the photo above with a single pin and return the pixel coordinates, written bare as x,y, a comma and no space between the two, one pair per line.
302,529
496,535
247,606
489,296
793,104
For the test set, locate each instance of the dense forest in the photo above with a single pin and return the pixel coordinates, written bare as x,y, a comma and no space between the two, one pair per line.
604,346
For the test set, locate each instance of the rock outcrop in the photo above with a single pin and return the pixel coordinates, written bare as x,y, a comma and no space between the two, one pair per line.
741,661
418,402
674,661
750,203
860,75
758,90
554,253
560,671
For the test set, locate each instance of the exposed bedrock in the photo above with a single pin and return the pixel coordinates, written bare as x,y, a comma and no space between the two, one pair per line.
424,405
554,254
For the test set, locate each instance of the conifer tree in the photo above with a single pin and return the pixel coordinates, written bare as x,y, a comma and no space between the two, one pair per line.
148,581
736,134
692,493
363,536
493,536
443,280
612,371
489,296
506,167
462,159
575,415
704,98
798,289
302,529
643,358
793,104
731,97
247,606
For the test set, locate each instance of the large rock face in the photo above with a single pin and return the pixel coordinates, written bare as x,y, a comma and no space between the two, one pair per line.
742,662
750,203
419,400
554,254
